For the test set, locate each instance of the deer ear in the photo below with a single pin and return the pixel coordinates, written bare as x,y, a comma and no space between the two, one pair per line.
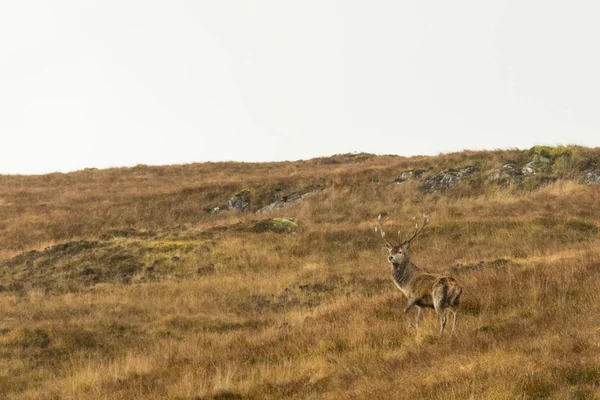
405,246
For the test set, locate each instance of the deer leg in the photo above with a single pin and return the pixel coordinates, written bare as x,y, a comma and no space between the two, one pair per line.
440,301
419,315
454,310
411,304
442,316
438,305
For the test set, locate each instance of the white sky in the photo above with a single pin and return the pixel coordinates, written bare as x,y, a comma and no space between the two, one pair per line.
121,82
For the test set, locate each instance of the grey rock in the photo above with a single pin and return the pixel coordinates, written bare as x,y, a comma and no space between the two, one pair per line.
408,175
509,173
591,178
447,179
537,164
277,205
285,200
528,171
240,201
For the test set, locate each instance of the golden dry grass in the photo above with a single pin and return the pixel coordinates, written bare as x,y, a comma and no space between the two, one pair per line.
229,312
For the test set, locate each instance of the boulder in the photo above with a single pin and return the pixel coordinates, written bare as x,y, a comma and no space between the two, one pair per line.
277,205
448,179
277,225
538,164
591,178
282,202
509,173
408,175
240,201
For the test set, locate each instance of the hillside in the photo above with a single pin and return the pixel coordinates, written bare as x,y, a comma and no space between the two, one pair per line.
267,281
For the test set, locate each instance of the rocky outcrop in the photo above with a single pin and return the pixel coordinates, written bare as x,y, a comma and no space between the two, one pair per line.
408,175
447,179
537,164
276,225
283,201
277,205
240,201
591,178
509,173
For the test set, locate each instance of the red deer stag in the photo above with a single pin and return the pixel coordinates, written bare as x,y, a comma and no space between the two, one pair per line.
421,288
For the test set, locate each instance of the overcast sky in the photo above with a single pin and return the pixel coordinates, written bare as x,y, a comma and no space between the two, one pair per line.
116,83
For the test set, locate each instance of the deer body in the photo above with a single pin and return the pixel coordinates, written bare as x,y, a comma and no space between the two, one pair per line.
421,288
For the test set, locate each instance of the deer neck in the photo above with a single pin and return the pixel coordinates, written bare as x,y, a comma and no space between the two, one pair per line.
403,272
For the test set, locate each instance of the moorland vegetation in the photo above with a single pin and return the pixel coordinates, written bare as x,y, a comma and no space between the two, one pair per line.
166,282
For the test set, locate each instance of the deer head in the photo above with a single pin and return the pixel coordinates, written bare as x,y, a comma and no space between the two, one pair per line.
399,253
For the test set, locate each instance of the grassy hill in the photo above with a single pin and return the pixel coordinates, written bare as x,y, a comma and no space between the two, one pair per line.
142,283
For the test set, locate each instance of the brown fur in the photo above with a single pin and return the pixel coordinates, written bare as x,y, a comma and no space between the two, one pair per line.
422,289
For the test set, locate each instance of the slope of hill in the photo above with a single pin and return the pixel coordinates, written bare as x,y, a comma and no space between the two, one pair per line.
258,281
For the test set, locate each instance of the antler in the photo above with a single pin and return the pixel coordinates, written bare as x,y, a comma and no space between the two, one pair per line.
418,230
382,232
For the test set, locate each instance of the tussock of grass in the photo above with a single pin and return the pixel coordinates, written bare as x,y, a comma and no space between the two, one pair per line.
122,284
